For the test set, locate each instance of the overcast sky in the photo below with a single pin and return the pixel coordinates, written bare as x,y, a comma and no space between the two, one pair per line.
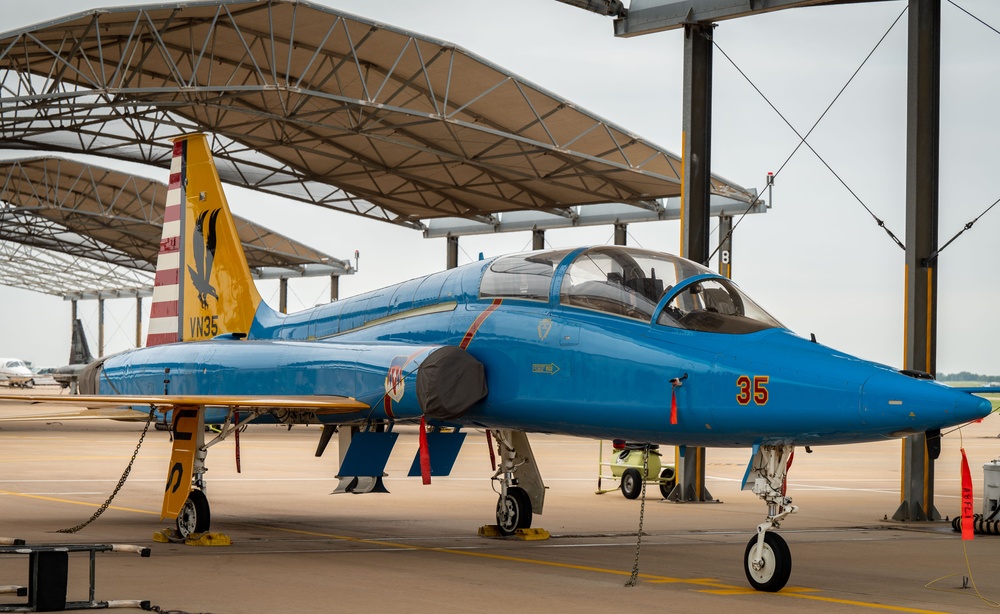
817,261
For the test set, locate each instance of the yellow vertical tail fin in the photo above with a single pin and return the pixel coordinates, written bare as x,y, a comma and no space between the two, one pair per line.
203,286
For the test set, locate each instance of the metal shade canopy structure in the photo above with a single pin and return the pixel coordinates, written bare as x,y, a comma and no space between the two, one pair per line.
325,107
71,277
77,230
647,16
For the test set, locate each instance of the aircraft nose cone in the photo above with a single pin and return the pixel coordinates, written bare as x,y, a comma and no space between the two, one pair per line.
916,405
973,406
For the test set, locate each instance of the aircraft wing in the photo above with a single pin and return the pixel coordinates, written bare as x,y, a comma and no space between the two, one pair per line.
318,404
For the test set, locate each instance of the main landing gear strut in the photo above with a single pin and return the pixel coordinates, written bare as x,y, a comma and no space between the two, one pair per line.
767,560
521,490
196,515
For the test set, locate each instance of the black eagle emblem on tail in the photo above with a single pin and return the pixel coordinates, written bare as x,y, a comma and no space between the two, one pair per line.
204,256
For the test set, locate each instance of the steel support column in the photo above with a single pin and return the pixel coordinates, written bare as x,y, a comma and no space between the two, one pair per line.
537,239
452,252
72,319
621,234
726,246
100,327
283,295
138,321
696,137
922,162
695,194
334,288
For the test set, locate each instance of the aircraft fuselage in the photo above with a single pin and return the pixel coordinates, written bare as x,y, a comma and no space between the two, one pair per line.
553,367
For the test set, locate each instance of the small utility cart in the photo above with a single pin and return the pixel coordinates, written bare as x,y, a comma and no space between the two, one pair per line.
626,463
48,574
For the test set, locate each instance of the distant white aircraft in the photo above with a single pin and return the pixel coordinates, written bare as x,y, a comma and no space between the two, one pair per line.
16,372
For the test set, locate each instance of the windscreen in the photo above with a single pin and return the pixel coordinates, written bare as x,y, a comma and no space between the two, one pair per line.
715,305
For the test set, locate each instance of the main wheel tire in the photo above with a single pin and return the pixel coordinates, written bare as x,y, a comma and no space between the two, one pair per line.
668,479
631,483
777,567
514,511
195,516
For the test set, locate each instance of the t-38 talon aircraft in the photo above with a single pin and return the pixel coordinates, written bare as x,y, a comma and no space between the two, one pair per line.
603,342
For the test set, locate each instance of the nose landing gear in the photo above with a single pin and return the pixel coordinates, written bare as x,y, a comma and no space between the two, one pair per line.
767,565
767,560
522,492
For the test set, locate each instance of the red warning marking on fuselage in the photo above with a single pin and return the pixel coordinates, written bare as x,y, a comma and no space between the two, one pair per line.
469,334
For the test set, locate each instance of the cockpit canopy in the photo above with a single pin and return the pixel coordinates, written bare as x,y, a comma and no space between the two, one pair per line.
525,276
630,283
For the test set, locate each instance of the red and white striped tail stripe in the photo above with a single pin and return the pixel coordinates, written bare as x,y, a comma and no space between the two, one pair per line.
164,317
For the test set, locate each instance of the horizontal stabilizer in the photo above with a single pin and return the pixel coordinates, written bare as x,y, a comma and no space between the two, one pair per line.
443,449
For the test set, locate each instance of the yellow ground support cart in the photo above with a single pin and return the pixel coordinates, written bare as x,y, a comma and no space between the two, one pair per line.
626,465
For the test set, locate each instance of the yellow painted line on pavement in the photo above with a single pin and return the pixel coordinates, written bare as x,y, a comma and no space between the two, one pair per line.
720,588
71,501
862,604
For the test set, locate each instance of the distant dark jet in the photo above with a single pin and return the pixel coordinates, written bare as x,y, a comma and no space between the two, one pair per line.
79,357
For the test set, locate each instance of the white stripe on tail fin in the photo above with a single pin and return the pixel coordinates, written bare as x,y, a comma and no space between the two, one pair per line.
203,286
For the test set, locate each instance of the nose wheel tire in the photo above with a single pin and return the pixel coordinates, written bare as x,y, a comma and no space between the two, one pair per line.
514,511
195,516
776,566
631,483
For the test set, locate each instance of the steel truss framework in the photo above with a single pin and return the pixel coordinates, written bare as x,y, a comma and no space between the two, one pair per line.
77,230
321,106
69,276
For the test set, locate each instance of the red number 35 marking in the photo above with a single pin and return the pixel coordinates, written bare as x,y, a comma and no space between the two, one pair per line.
754,389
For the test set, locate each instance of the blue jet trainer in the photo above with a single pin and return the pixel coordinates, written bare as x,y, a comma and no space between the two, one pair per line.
602,342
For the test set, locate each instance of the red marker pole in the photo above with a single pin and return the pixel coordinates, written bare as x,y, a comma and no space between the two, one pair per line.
425,454
967,532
